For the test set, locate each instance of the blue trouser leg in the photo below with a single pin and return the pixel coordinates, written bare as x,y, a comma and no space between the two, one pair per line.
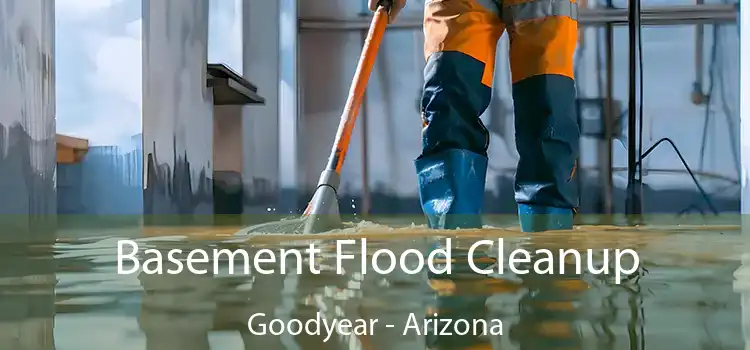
453,165
460,42
542,50
547,137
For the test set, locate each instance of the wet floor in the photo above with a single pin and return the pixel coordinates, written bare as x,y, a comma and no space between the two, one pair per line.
686,294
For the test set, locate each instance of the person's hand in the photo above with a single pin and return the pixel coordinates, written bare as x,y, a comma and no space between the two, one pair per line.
396,7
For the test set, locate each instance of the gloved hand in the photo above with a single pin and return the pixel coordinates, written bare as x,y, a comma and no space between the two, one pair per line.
396,7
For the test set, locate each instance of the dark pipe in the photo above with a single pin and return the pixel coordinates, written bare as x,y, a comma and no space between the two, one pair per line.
609,114
363,120
366,201
633,202
697,96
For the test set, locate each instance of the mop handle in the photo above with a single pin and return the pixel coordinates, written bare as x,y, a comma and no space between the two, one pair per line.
357,89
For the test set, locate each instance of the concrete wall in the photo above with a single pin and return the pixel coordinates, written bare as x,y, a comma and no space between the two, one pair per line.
745,105
228,160
227,139
177,109
290,156
225,45
179,117
742,275
261,123
27,117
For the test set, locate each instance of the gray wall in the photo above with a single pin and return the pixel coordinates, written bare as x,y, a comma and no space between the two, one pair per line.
177,115
27,116
27,171
260,65
177,108
744,77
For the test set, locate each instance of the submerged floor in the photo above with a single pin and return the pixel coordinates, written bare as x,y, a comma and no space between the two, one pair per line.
684,295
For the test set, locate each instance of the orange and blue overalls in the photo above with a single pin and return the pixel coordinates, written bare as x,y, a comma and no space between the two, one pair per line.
460,46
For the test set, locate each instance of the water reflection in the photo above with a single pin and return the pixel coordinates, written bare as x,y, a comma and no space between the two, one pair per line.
549,310
27,297
177,310
684,301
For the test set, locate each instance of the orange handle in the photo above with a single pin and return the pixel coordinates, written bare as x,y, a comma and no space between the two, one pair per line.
357,90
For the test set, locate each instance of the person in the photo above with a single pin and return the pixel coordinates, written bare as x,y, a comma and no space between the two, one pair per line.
460,46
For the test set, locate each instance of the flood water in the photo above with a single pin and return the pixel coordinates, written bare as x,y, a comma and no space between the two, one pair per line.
686,294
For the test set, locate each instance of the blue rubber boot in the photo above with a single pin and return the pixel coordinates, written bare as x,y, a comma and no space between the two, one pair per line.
536,218
451,188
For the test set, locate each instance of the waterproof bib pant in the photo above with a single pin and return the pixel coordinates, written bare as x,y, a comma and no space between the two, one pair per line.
460,46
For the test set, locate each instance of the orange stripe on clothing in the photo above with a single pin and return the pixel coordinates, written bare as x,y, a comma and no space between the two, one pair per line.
464,26
516,2
543,46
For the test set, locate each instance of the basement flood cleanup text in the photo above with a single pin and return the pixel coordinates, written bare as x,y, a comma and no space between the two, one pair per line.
330,322
132,258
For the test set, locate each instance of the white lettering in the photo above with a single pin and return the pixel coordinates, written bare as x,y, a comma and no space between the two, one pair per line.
383,261
318,326
446,255
155,260
132,256
311,258
548,260
341,256
447,326
618,263
472,248
576,255
420,261
293,252
605,266
252,329
232,255
192,259
391,263
295,327
268,260
171,257
512,261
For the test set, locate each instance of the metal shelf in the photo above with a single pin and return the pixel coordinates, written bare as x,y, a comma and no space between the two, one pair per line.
230,88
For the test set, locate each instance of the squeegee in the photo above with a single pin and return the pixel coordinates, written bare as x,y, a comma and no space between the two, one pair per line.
322,212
